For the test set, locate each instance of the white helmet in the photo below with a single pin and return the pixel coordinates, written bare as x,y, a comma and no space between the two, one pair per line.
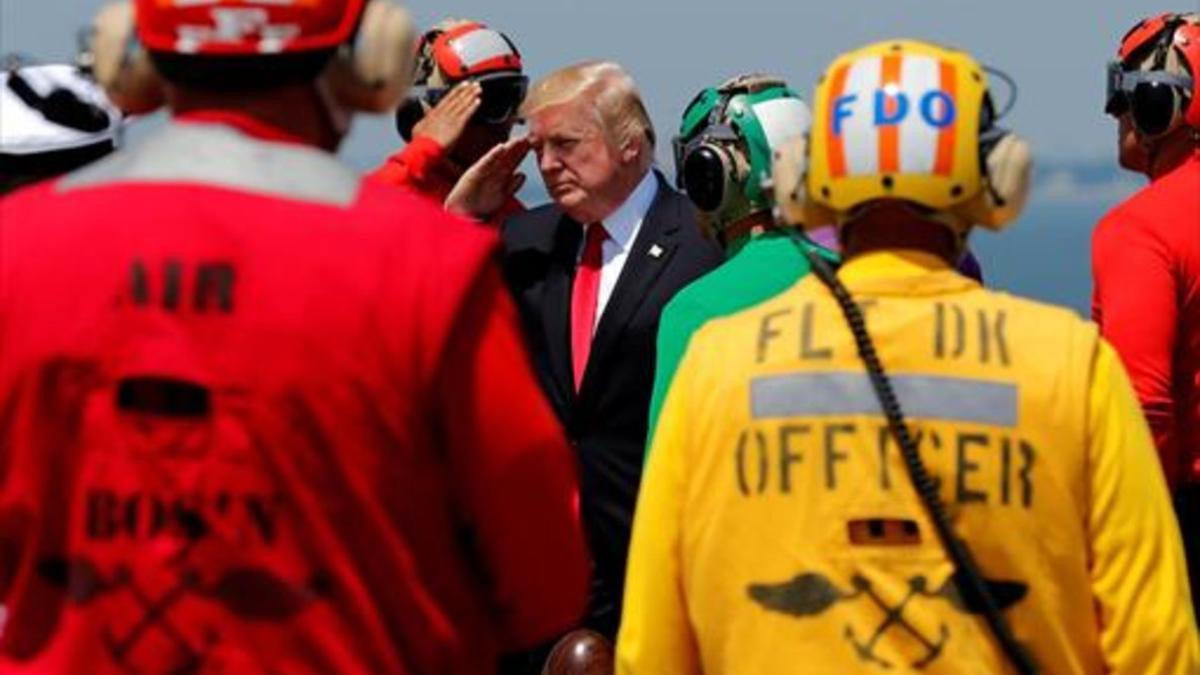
53,108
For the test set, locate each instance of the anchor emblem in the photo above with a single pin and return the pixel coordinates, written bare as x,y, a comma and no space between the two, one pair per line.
811,594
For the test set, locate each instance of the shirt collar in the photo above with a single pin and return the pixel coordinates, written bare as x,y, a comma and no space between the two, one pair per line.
623,224
878,265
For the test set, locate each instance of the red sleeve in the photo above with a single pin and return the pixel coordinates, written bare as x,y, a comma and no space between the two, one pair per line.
413,166
512,207
1134,302
515,472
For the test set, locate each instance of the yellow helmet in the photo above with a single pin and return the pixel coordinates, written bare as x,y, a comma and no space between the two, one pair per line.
913,121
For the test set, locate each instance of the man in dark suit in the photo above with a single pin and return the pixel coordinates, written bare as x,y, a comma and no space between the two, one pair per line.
591,273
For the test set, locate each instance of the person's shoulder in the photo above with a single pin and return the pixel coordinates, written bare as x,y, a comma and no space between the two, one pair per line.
1128,224
780,248
1183,180
545,214
1039,321
29,197
680,214
672,196
404,213
1143,211
739,323
693,302
531,228
33,207
675,206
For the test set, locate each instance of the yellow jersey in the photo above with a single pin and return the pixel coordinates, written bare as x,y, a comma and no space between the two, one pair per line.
777,530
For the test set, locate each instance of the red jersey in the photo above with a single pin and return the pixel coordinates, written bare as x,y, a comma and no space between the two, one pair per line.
1146,267
422,166
251,423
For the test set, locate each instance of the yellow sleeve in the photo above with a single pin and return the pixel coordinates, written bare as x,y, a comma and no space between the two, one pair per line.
656,635
1139,577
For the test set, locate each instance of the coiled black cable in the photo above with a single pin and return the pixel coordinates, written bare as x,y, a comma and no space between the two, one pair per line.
967,577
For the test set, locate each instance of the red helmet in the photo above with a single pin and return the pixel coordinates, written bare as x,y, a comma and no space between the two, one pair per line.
1157,73
456,50
246,27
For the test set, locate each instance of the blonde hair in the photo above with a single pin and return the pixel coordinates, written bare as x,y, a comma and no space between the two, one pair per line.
610,90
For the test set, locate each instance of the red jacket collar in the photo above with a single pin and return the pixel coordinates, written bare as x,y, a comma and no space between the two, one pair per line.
242,122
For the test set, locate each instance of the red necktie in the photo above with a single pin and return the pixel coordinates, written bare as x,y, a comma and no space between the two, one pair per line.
585,293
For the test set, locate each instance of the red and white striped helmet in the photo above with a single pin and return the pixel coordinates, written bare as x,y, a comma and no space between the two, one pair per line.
457,50
246,27
899,120
1167,49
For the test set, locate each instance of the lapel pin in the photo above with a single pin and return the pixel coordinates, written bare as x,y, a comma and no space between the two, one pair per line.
656,251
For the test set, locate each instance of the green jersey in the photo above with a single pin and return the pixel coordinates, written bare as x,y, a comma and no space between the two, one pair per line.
764,267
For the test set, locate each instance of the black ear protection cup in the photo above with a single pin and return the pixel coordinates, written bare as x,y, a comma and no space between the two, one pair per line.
706,176
411,111
61,106
1154,106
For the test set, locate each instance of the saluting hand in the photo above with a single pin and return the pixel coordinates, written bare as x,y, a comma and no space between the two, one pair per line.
490,182
446,122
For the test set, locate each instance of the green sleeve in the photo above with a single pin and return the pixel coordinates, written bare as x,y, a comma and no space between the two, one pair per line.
680,318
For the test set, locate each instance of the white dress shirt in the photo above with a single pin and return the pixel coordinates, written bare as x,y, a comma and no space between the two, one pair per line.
622,226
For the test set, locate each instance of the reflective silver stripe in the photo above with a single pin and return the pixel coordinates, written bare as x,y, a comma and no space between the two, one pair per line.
481,45
216,155
782,119
921,396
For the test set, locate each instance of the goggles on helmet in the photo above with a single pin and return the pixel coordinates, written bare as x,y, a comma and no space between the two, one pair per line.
1140,88
501,97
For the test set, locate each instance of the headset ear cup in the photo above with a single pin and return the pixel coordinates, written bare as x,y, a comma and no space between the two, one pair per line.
373,74
1155,109
411,111
706,172
1008,182
120,65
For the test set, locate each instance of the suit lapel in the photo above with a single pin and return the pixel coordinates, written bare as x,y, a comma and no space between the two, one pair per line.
557,303
652,250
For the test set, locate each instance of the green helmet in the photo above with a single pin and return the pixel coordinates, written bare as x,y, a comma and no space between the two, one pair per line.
725,145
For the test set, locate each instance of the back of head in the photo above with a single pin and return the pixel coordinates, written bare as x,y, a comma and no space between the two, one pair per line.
55,120
726,142
909,125
361,47
1155,75
609,90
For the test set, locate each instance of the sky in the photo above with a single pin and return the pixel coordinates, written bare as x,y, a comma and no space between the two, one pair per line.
1055,49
